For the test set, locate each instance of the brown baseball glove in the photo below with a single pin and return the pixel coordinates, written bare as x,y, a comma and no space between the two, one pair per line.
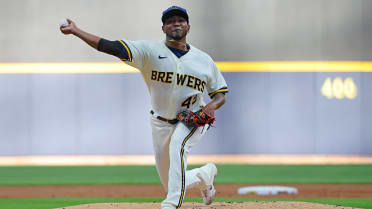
195,119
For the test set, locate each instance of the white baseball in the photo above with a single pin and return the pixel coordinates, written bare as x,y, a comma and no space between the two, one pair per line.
63,23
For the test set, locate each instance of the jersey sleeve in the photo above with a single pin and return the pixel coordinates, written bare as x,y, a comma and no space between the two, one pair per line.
138,53
216,83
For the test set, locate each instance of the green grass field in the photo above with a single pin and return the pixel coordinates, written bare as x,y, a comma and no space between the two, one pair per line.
69,175
63,175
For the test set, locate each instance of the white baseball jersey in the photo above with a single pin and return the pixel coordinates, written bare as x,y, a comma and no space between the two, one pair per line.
174,83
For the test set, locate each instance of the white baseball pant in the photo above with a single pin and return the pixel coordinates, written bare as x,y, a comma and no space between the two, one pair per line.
172,143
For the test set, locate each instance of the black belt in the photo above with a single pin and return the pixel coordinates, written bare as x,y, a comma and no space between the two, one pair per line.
173,121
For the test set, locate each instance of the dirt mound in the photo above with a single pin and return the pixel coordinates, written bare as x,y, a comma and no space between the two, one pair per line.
218,205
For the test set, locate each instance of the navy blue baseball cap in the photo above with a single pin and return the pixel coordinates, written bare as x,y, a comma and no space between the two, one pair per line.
174,10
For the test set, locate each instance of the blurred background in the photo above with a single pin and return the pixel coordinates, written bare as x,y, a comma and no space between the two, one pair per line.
267,112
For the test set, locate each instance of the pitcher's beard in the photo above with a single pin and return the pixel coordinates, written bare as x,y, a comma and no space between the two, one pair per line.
176,37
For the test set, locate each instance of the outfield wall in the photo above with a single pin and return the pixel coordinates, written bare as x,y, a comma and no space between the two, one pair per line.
266,112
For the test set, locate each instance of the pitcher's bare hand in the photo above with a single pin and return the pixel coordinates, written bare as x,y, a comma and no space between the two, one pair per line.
68,29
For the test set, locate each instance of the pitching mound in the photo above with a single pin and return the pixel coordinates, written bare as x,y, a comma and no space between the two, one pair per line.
218,205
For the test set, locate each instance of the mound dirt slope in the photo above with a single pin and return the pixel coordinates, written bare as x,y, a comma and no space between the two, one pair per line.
219,205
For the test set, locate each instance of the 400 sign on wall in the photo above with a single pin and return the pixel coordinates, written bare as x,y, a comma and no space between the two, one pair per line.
339,88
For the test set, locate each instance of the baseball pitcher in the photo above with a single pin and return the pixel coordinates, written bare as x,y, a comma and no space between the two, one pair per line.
176,74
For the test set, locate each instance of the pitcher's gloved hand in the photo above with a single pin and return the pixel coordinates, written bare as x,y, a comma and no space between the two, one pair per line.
195,119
